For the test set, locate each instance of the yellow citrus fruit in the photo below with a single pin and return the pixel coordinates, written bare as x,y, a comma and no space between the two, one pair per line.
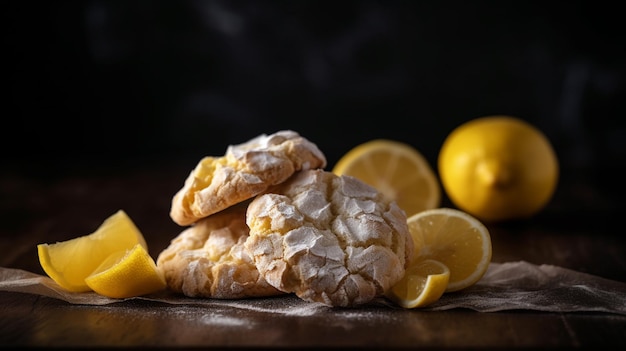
498,168
127,274
458,240
69,262
397,170
423,283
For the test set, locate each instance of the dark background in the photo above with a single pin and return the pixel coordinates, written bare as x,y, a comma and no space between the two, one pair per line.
109,105
97,84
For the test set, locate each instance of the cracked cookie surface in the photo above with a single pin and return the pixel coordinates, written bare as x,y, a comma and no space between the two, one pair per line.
208,259
329,239
244,171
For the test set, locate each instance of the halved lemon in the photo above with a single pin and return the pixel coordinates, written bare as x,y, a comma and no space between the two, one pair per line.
127,274
69,262
398,170
423,283
458,240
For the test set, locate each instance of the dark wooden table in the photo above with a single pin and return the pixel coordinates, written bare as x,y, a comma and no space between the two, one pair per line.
581,229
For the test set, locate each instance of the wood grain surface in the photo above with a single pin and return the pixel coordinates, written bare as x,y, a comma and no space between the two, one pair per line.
580,230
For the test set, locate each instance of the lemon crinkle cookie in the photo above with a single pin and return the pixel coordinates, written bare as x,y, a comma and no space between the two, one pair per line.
329,239
208,259
244,171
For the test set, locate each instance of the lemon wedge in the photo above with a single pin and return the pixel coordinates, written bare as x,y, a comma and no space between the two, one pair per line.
423,283
69,262
127,274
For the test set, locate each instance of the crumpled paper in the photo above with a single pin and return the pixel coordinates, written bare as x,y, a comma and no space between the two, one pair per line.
505,286
525,286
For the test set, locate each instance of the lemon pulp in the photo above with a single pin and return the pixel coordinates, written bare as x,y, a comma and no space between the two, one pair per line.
458,240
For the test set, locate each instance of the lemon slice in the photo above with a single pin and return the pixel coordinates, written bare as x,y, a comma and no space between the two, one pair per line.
127,274
458,240
397,170
423,283
69,262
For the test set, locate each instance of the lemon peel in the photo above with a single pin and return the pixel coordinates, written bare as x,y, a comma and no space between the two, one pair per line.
498,168
423,284
127,274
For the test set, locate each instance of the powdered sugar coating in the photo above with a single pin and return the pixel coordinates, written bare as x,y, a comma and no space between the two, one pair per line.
329,239
244,171
208,259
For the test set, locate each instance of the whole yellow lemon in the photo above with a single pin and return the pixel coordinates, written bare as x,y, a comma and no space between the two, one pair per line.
498,168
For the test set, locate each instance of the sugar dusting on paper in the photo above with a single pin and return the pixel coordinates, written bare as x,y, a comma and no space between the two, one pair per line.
505,286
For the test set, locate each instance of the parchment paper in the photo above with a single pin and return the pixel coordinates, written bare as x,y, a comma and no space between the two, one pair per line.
505,286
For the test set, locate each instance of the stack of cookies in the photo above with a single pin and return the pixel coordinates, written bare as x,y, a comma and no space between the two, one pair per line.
266,219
